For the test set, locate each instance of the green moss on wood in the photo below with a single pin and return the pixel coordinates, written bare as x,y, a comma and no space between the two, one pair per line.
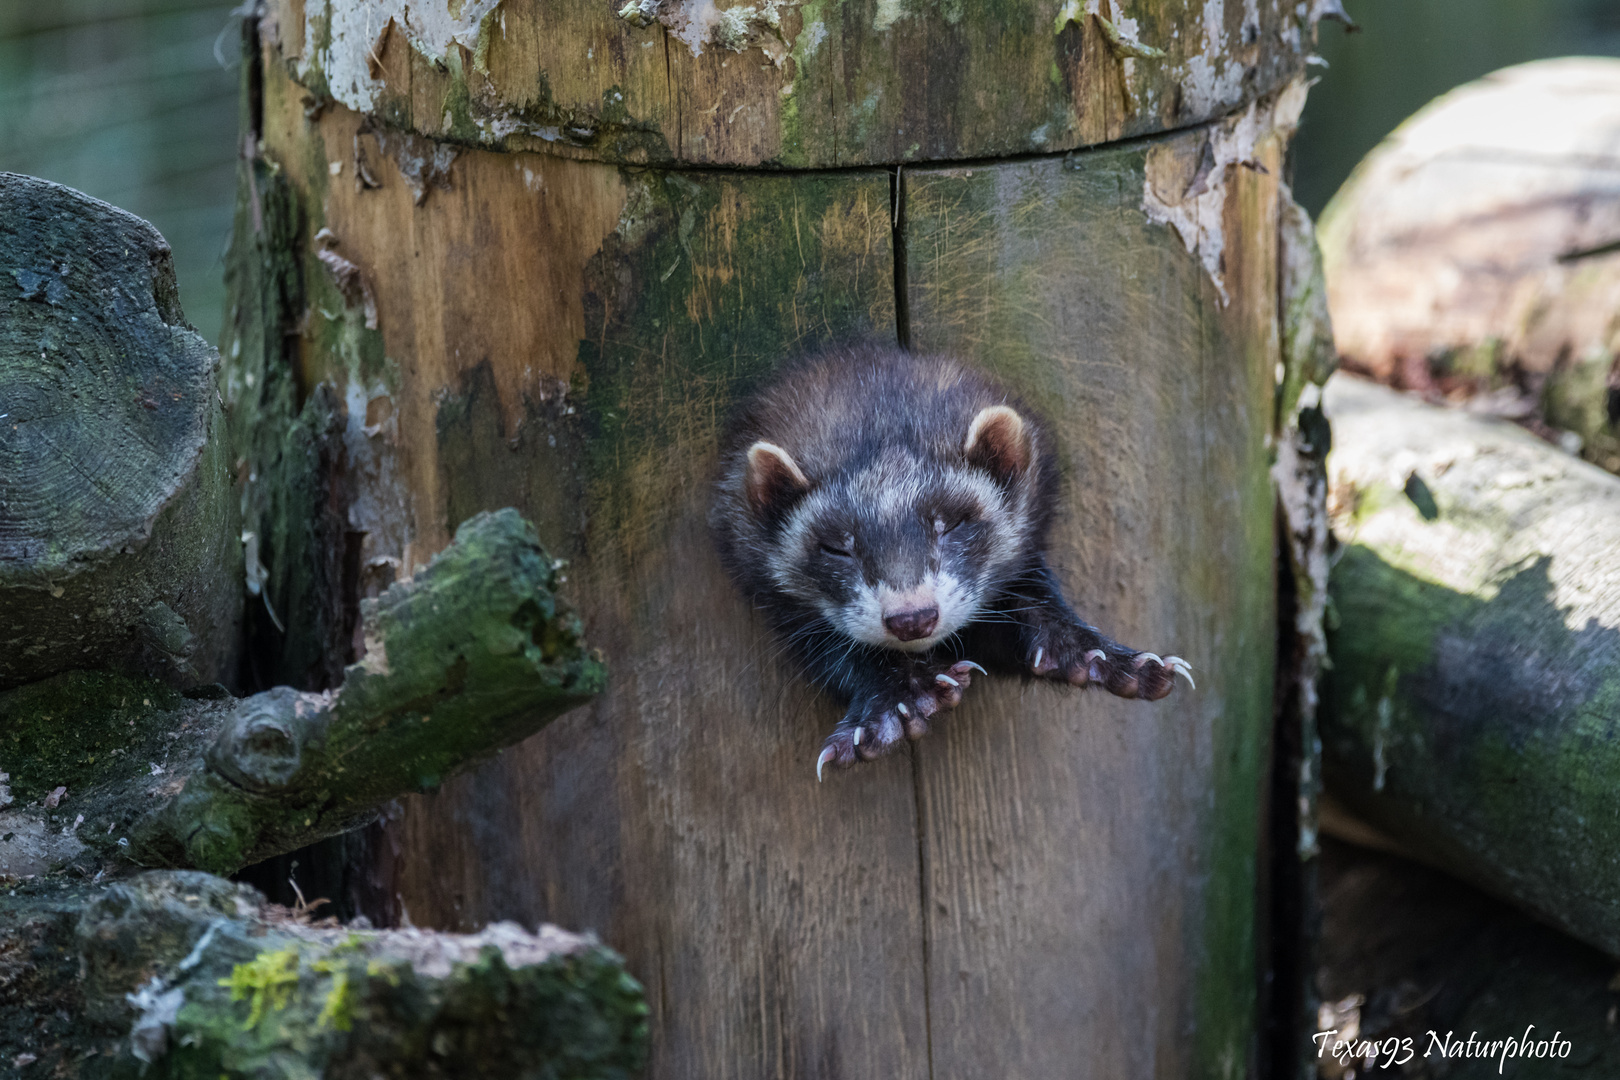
77,729
182,976
473,654
266,982
469,656
709,283
1437,727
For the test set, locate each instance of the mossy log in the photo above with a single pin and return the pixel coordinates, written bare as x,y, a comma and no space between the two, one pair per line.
1471,709
471,655
178,974
507,320
119,542
1476,252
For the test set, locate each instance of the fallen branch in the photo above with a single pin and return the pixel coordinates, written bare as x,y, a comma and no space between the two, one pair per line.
473,654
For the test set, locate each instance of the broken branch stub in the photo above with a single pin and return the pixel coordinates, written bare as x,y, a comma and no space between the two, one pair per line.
118,535
473,654
1469,709
470,656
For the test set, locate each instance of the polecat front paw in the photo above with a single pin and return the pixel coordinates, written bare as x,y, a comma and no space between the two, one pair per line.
1082,658
875,726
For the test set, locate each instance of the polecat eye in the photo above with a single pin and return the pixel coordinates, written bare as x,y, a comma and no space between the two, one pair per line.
838,552
945,528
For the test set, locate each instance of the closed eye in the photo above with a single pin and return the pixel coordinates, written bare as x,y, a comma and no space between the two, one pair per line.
835,552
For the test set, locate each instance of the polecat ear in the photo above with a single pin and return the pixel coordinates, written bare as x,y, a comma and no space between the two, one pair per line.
773,480
998,440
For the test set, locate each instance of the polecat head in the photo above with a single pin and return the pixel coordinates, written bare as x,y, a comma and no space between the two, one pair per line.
898,550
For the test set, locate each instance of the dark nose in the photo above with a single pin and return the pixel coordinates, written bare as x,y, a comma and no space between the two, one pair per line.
911,625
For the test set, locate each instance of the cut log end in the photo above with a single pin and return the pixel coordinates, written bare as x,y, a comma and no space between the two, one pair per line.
107,390
116,545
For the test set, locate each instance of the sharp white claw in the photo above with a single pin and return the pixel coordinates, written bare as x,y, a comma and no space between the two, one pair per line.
1182,668
902,710
826,756
946,679
975,667
1040,654
857,736
1096,654
1144,657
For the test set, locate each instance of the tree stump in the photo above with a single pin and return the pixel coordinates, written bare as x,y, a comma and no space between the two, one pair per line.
507,265
118,527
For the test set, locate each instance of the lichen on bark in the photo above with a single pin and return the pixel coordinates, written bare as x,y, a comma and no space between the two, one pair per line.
177,974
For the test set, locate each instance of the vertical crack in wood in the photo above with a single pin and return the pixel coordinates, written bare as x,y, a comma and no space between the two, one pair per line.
674,97
922,899
897,245
253,59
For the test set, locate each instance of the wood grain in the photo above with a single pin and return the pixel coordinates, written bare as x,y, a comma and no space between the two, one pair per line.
118,528
1089,862
1054,882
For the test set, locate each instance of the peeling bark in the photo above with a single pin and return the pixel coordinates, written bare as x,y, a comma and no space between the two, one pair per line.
790,83
1299,474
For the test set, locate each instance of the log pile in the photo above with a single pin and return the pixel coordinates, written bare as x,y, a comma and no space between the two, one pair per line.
120,748
1469,714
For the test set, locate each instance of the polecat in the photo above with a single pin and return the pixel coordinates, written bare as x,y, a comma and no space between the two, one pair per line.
889,514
